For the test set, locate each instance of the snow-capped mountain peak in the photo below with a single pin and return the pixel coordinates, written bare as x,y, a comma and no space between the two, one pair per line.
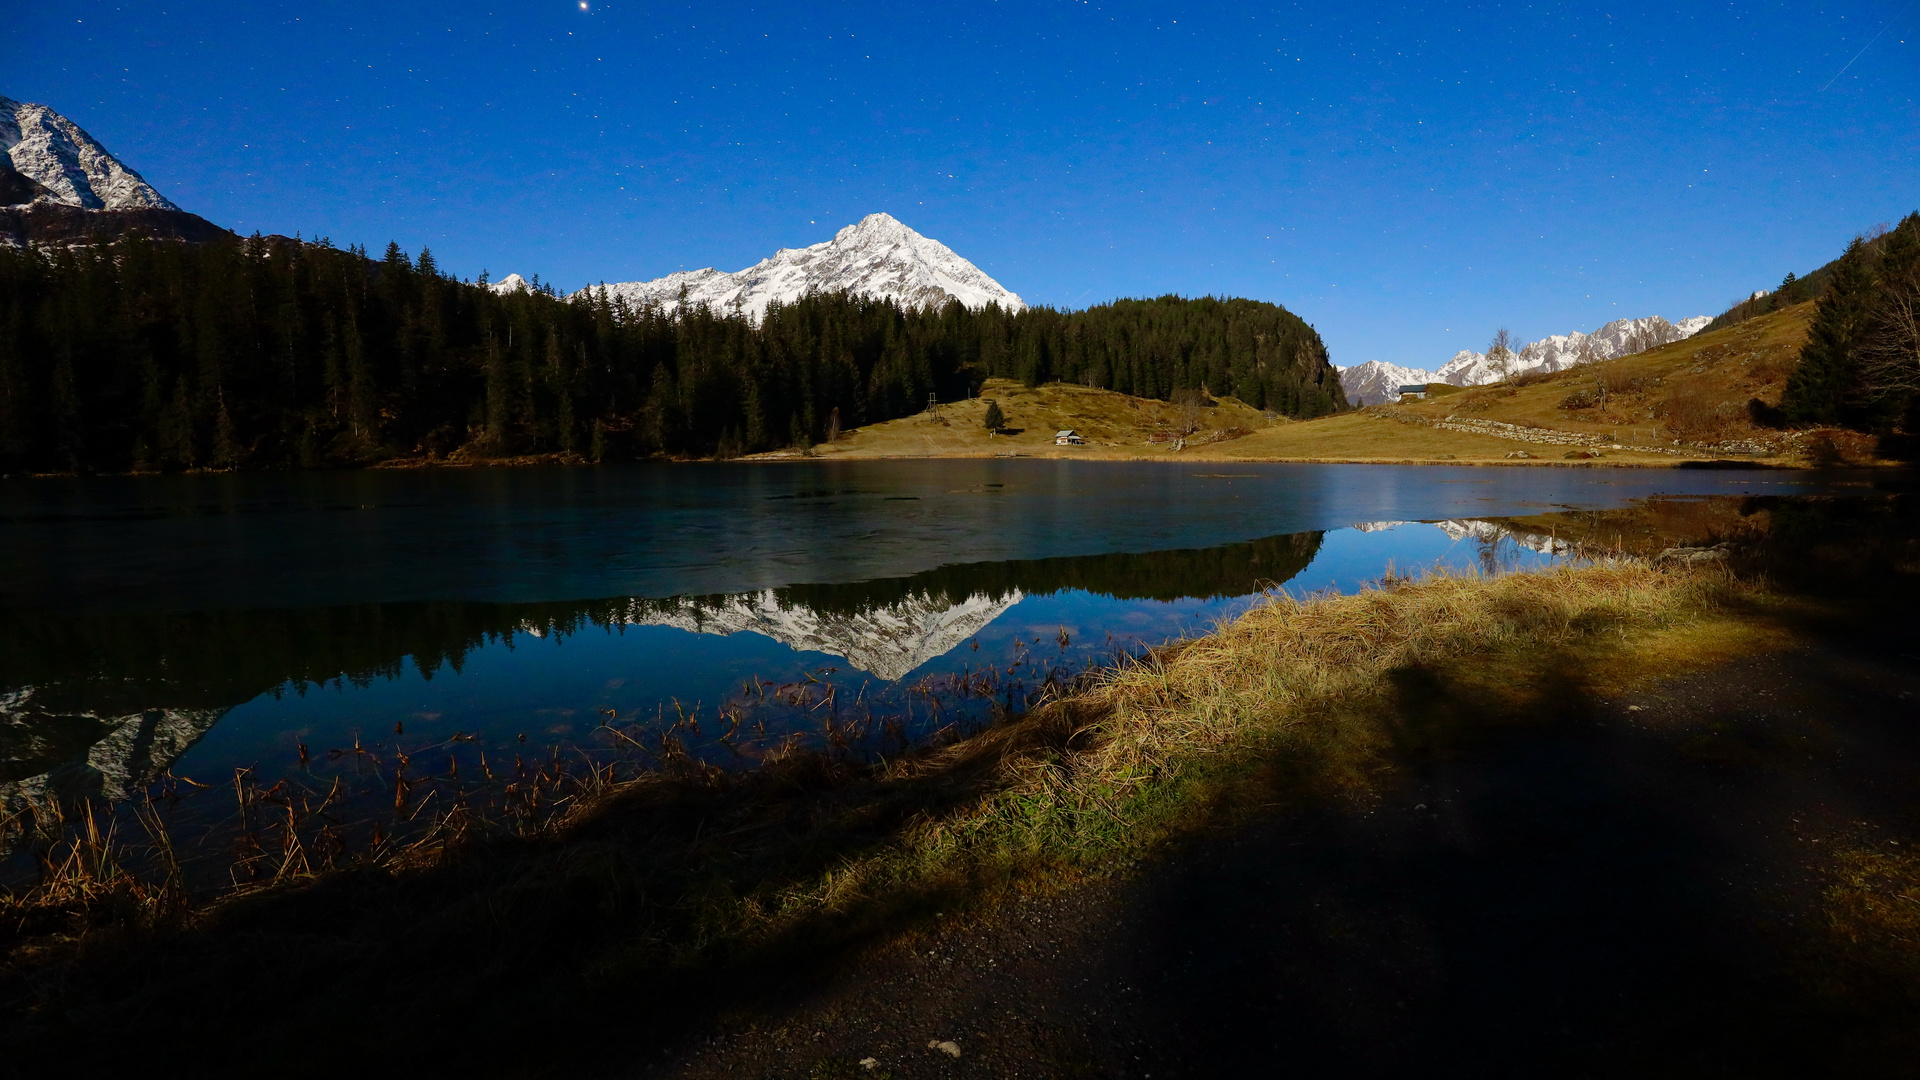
878,256
71,167
510,284
1377,381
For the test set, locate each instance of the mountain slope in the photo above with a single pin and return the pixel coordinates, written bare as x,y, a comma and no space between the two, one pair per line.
1377,381
58,186
55,153
879,257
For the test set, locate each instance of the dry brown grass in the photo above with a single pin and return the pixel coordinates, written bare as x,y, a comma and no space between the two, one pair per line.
1871,951
686,880
1114,425
1287,664
84,878
1696,390
1386,435
1086,783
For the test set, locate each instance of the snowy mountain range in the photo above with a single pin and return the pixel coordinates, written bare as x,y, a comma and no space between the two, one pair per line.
1377,381
878,257
1458,529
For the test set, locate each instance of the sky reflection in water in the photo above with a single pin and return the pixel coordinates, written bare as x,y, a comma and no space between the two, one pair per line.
554,686
207,623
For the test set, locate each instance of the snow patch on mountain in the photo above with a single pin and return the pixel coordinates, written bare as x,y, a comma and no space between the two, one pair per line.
55,153
878,257
1377,381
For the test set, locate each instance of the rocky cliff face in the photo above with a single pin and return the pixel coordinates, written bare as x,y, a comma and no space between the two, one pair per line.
879,257
55,153
60,186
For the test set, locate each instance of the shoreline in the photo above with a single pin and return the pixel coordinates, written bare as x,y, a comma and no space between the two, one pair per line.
778,457
705,912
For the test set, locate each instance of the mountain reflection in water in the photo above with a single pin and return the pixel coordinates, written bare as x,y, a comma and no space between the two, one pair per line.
102,707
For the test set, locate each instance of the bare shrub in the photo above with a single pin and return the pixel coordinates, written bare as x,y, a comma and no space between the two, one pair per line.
1823,449
1500,355
1189,405
1890,353
1693,411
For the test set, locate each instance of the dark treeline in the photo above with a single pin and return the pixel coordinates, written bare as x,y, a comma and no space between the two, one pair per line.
1207,573
1793,290
275,353
1860,367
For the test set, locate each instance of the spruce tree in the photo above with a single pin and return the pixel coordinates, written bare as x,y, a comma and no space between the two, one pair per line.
1824,387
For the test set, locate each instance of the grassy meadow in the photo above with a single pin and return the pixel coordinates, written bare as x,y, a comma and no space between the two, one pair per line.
1693,400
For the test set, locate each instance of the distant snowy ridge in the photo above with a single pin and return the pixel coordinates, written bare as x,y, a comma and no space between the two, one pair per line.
878,257
1377,381
71,167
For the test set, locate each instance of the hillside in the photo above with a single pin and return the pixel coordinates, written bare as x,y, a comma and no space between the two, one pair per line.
58,186
1687,401
1114,425
1691,398
1377,382
1120,427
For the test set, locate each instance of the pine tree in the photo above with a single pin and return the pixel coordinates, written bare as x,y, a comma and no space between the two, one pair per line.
275,353
996,420
1824,386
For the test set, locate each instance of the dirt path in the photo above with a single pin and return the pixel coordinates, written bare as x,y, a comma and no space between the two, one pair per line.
1635,886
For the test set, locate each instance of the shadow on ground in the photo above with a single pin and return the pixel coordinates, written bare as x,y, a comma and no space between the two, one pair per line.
1630,886
1547,880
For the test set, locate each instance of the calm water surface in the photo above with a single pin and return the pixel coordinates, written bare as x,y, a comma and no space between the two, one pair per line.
200,624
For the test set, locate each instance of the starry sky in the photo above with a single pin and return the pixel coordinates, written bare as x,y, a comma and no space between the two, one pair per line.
1405,178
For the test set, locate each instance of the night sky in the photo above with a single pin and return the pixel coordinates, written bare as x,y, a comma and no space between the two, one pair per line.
1407,179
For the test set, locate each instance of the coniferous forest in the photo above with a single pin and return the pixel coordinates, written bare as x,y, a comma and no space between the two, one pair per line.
1860,367
275,353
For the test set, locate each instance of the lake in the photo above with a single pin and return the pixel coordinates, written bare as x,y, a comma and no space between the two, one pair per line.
316,628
